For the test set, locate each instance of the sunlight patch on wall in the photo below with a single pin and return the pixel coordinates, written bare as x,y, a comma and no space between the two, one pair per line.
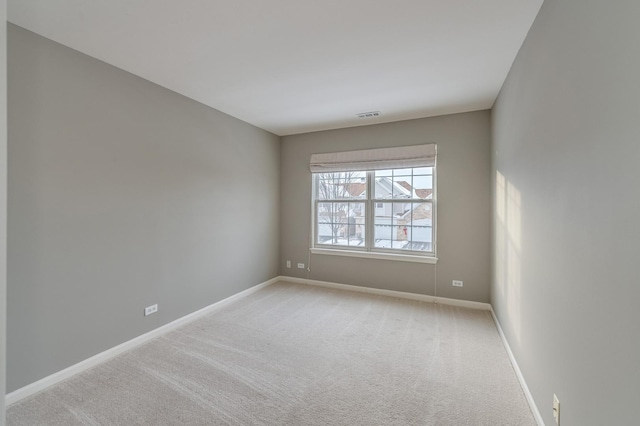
508,234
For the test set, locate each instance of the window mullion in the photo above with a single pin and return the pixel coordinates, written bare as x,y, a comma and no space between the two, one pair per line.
314,213
370,210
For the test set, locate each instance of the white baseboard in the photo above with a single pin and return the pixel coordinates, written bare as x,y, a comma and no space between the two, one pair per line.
523,383
59,376
51,380
391,293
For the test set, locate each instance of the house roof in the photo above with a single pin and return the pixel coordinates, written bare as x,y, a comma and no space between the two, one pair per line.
419,193
355,189
424,193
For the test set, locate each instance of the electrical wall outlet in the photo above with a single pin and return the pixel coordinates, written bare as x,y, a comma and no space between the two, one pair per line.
457,283
150,310
556,409
300,265
288,264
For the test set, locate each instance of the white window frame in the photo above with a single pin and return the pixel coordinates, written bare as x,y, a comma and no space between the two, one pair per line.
370,251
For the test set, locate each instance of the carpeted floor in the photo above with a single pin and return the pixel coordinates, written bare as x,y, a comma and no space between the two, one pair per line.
292,354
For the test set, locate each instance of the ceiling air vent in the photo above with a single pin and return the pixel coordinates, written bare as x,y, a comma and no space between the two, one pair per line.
370,114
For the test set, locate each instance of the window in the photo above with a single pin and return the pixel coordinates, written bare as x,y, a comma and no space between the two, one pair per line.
385,211
341,208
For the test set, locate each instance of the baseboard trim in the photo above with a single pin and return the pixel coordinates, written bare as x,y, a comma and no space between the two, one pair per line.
61,375
514,363
391,293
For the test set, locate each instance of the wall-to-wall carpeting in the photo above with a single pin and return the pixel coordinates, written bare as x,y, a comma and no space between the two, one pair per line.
293,354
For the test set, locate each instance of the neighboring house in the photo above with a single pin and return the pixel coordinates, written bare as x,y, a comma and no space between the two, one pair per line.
397,224
400,222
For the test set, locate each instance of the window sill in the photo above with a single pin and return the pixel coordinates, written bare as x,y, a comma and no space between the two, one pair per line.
376,255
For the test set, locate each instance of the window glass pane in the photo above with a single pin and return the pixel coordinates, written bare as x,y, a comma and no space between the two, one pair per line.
383,187
397,210
401,210
383,224
341,223
387,187
323,218
399,236
423,187
324,187
404,183
340,212
423,171
420,238
402,187
325,212
383,213
382,242
356,231
402,172
353,188
336,186
421,214
403,226
420,231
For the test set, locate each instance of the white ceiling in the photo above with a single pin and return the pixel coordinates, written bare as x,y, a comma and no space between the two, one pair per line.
294,66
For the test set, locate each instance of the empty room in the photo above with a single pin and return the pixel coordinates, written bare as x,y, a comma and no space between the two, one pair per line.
320,213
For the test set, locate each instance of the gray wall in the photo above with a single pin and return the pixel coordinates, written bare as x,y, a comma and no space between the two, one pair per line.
464,206
566,145
122,194
3,202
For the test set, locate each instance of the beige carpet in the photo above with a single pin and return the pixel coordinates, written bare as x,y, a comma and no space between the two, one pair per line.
299,355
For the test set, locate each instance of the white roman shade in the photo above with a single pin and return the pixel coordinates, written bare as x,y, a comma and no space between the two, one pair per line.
374,159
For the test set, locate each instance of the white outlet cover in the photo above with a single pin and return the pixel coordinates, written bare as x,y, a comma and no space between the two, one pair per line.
457,283
150,310
301,265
